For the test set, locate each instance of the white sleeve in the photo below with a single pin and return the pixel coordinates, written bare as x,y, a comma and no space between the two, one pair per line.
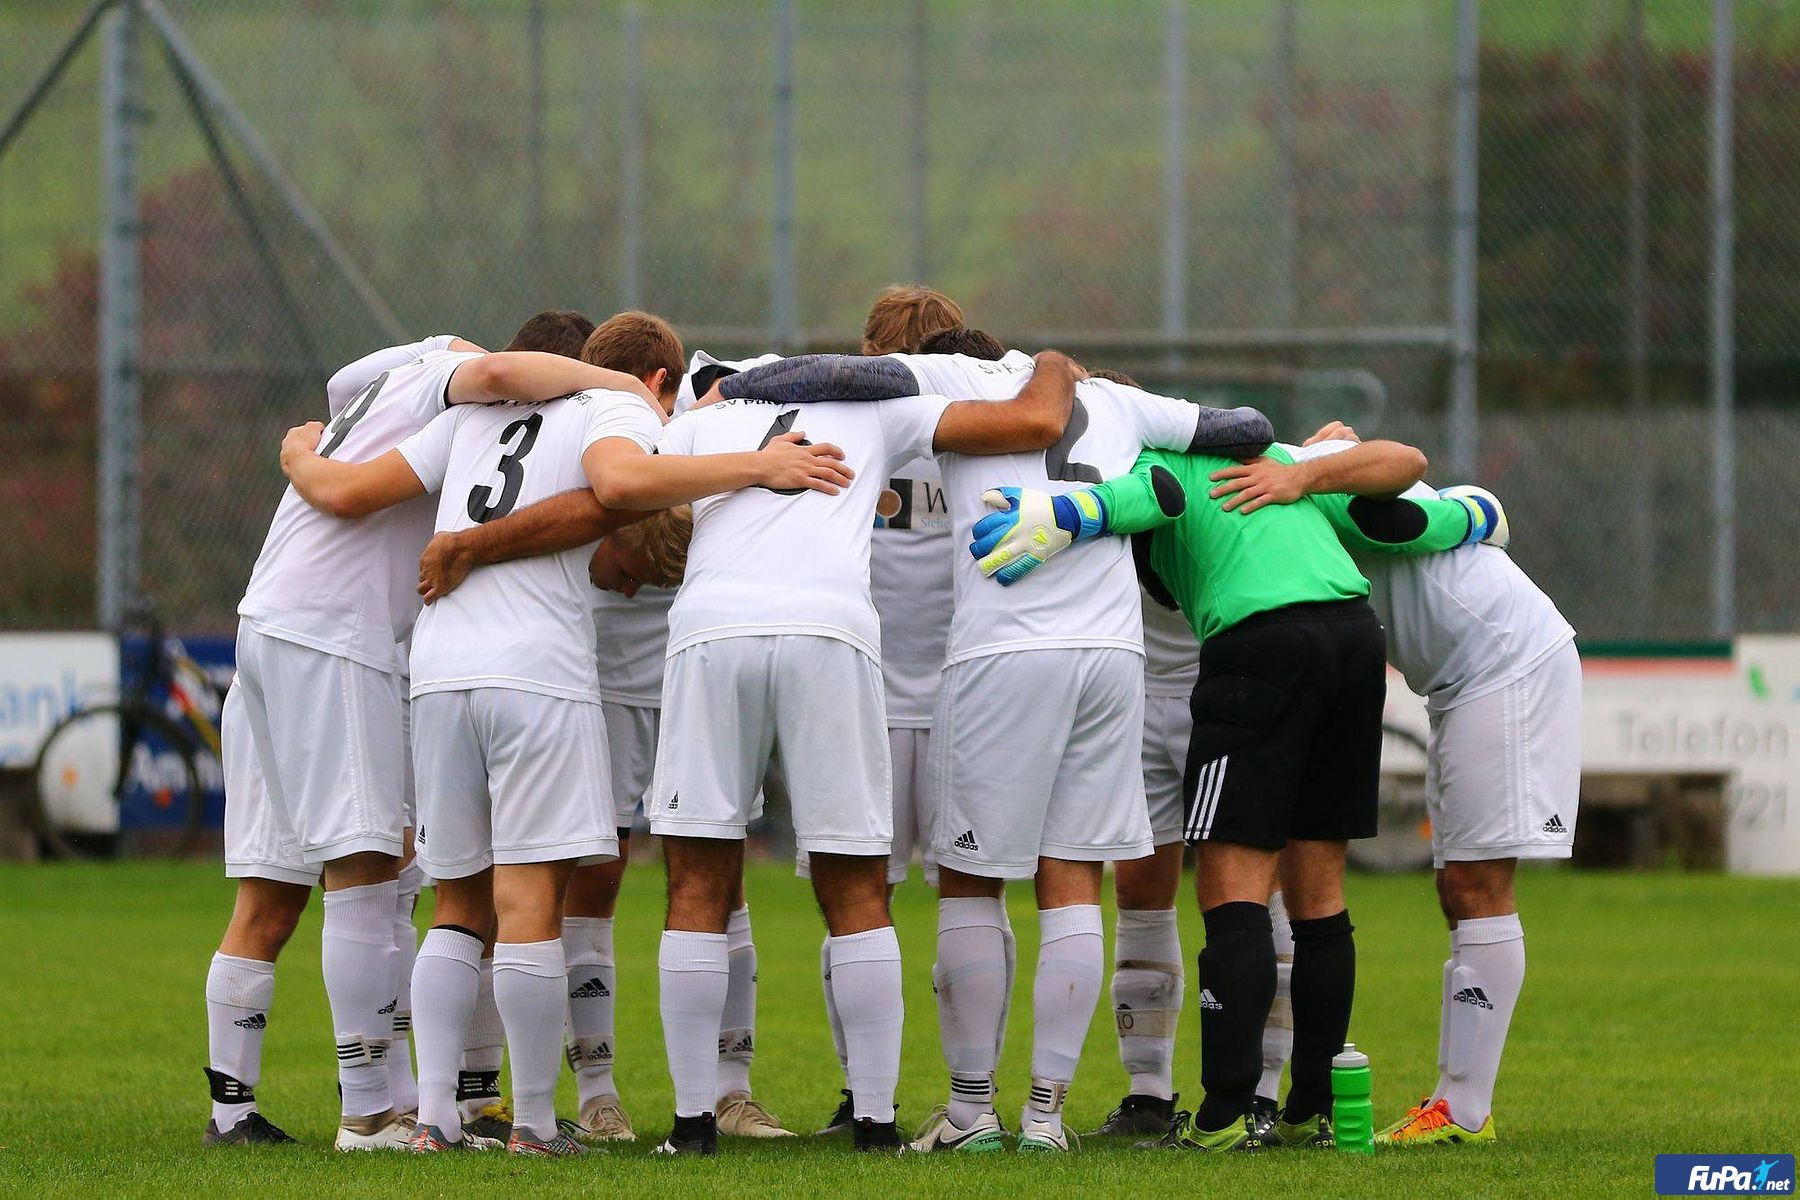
1162,422
353,378
678,435
434,383
909,426
427,452
617,415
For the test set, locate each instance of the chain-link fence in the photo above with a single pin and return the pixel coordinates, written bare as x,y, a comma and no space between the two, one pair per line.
1243,198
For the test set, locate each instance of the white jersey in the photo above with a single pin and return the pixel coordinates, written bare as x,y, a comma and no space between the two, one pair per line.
1462,623
910,577
631,639
349,587
684,395
525,624
1091,599
764,562
1171,655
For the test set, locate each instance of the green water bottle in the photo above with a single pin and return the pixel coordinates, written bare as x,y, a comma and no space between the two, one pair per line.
1352,1111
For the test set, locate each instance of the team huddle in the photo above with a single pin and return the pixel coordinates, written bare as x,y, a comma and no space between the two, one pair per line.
1012,617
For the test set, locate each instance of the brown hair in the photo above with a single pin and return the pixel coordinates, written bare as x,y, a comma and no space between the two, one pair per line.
639,344
1116,377
663,540
553,331
975,343
904,315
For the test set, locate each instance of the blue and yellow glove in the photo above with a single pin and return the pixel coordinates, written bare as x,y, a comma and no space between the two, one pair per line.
1487,520
1030,527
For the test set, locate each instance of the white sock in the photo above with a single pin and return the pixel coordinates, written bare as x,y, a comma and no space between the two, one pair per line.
737,1027
970,975
831,1012
447,980
593,980
865,978
1278,1032
529,983
1147,985
694,972
358,960
1071,965
406,947
238,994
484,1051
1443,1061
1490,971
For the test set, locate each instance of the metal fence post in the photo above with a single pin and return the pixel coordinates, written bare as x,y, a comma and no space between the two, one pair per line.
1287,213
781,285
920,96
1720,349
534,148
1175,173
119,334
1637,312
1464,431
631,164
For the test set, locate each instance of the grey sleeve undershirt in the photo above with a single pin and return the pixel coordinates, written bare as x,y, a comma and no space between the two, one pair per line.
814,377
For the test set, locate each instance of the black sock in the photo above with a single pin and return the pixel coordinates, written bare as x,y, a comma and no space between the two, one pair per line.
1237,986
1323,988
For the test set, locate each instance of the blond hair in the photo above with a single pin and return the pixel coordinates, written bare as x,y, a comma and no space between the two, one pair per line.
905,314
663,541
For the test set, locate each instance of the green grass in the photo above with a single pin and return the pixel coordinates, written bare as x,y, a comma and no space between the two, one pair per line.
1658,1016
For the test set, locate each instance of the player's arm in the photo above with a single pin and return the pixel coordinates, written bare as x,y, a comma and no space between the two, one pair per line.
625,477
345,489
809,378
1031,420
1459,516
354,377
530,375
1379,468
1030,527
562,522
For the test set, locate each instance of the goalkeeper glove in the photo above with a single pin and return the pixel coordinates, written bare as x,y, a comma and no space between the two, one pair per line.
1030,528
1487,520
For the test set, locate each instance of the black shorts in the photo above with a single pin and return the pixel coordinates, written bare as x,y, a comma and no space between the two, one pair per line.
1287,728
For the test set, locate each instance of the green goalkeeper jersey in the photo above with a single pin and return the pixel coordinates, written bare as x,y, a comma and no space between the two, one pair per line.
1222,567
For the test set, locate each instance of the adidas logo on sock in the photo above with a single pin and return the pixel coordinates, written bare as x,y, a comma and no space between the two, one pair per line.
967,841
593,989
1208,1000
744,1045
1472,995
1555,825
253,1021
387,1010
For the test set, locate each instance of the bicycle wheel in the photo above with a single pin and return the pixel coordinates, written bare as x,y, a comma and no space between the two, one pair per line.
89,764
1403,842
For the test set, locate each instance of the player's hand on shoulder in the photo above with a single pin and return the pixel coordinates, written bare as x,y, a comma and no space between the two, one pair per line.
1021,535
300,440
1332,431
1258,482
442,567
1058,359
790,461
1487,519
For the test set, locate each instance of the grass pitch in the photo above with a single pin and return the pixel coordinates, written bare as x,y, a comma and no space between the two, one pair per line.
1658,1015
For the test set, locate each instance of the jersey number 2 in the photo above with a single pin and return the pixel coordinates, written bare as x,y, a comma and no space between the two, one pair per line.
1056,459
483,507
782,424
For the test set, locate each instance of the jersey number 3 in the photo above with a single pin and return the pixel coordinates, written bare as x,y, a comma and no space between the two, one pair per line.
483,506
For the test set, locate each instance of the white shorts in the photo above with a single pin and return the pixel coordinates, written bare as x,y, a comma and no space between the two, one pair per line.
1168,723
1039,754
330,740
631,734
816,701
909,750
510,777
1503,772
253,837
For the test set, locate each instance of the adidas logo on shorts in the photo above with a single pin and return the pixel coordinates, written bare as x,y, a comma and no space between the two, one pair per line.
967,841
1473,995
593,989
1555,824
388,1008
1208,1000
675,802
253,1021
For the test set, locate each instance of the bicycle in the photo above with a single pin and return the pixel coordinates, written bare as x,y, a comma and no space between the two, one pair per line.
95,756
